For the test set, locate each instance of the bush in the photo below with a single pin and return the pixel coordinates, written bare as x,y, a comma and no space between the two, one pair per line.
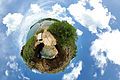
28,51
63,32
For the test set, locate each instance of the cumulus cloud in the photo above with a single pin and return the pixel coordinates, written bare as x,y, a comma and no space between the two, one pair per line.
12,21
36,71
59,13
95,75
6,73
119,75
73,75
71,65
35,8
79,33
68,19
23,77
13,67
12,64
57,10
97,17
107,46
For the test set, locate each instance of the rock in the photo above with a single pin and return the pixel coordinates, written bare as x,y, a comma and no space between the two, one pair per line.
48,38
49,52
38,39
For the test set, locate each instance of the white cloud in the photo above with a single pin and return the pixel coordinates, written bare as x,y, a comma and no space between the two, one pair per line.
79,33
13,67
35,8
107,46
57,10
95,75
23,77
12,21
73,75
36,71
12,58
68,19
119,75
71,65
6,73
98,17
102,71
12,64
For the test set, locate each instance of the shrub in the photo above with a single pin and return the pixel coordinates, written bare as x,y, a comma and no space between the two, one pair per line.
63,32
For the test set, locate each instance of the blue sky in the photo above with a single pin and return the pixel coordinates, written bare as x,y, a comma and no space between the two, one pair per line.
97,24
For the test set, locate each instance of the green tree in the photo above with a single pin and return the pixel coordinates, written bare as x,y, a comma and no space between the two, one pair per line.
64,32
28,50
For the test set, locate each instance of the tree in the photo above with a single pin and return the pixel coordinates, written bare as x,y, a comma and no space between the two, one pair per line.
64,32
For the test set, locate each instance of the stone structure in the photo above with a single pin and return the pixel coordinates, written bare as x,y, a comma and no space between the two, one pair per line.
49,50
48,38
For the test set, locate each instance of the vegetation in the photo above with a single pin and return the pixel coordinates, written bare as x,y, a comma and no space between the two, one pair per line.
65,34
28,50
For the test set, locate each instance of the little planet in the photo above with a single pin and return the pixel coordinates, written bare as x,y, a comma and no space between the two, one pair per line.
50,45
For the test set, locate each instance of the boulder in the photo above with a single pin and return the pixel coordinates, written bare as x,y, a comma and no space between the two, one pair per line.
49,52
48,39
